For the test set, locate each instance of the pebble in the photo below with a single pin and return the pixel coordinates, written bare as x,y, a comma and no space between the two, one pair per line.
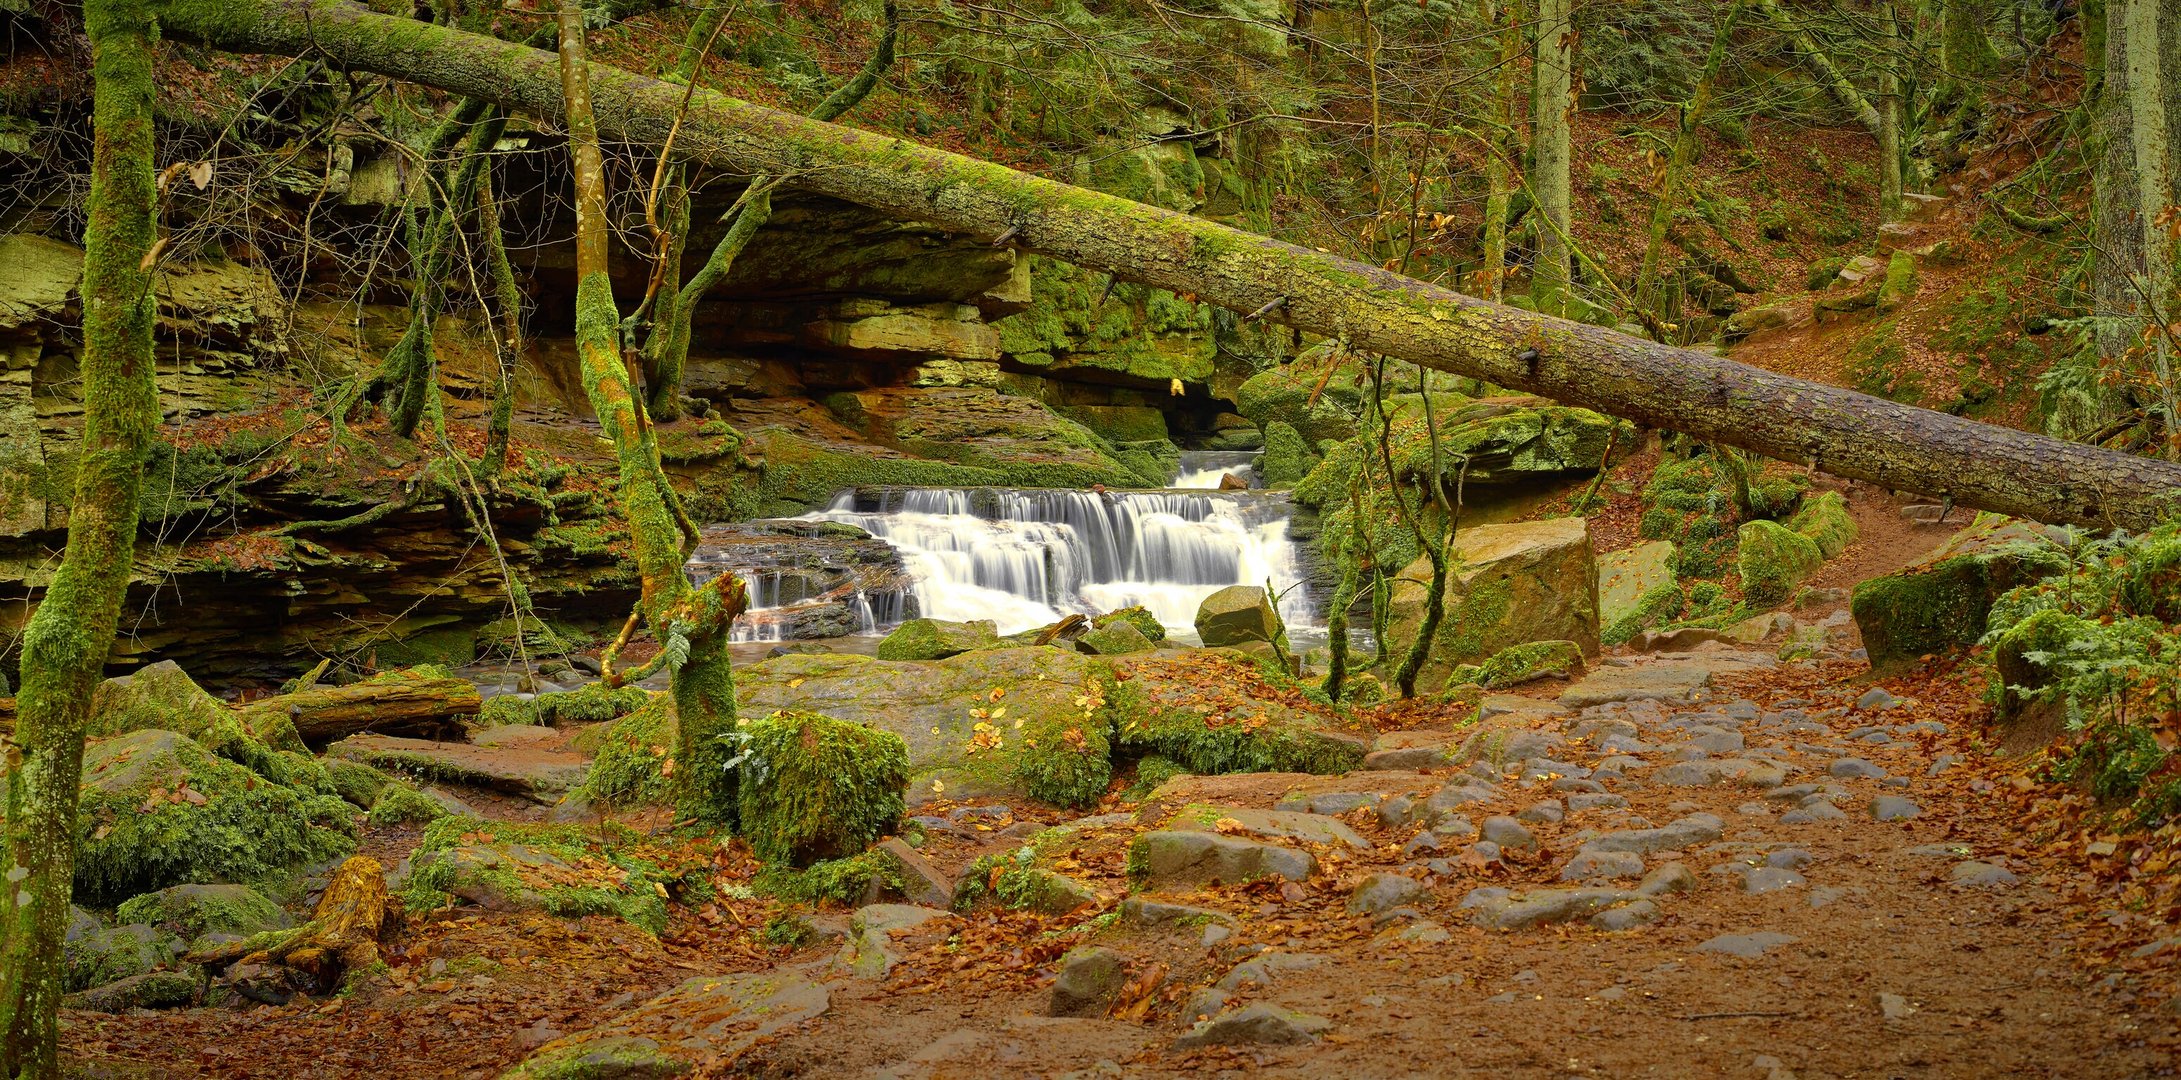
1894,808
1626,917
1506,832
1980,875
1769,879
1877,699
1854,769
1747,946
1603,801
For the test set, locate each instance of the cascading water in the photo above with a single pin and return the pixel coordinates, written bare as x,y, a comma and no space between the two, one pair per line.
1201,469
1026,558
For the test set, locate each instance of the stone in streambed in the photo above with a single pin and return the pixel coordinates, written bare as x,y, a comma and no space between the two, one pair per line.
1262,1024
1087,982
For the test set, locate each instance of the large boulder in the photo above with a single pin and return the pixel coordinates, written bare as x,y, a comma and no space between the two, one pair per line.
1236,615
937,639
1531,581
94,955
1624,577
1945,602
195,910
163,696
1773,559
562,870
707,1019
158,809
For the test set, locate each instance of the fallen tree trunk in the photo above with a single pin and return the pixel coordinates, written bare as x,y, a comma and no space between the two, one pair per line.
396,702
1839,431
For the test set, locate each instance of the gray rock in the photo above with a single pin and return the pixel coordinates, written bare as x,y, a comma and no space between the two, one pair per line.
1627,917
869,952
1171,858
1264,968
1507,833
1236,615
1894,808
1087,981
1854,769
1895,1007
1789,858
1268,825
94,956
1980,875
922,882
1684,832
1667,879
1144,911
1546,813
1769,879
1379,892
151,990
1262,1024
1539,907
1587,801
1747,946
1589,865
1876,699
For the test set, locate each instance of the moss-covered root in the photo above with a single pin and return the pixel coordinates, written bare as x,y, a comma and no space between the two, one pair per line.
341,936
817,788
65,645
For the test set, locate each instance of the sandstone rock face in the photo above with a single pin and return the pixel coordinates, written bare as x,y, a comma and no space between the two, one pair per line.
937,639
1534,581
1625,575
1944,603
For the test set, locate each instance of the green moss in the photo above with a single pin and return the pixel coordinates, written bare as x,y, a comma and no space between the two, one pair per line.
1065,760
1287,459
1151,771
1691,504
630,756
158,809
1524,663
401,804
1145,622
1660,604
1211,744
813,787
193,910
590,704
356,782
846,882
564,870
1773,560
1826,521
1014,880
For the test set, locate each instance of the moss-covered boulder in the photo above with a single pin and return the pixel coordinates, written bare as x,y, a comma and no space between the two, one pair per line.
1523,663
1218,711
630,757
1825,519
158,809
1287,457
1237,615
94,955
1532,581
1113,639
937,639
356,782
1945,602
191,911
1773,560
1284,396
813,787
400,804
565,870
1660,604
590,704
162,696
1137,616
1691,504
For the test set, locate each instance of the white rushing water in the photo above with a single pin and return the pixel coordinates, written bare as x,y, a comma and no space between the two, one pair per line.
1204,469
1026,558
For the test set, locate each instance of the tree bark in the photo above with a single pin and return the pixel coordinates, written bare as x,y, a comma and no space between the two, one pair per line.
691,624
1964,49
1849,434
2148,135
65,645
1552,84
1889,112
1500,150
1839,85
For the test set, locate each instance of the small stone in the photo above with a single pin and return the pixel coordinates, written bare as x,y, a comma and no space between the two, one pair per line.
1670,878
1747,946
1626,917
1548,812
1379,892
1582,802
1942,763
1214,933
1595,865
1087,981
1262,1024
1895,1007
1876,699
1768,879
1507,833
1854,769
1894,808
1789,858
1980,875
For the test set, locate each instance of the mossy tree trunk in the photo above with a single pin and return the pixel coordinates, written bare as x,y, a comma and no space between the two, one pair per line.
1501,150
2149,136
1889,110
1965,51
1552,86
1836,82
1673,176
65,646
1853,435
690,623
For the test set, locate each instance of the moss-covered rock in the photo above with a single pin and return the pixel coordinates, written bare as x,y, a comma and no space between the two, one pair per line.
1287,458
1626,576
1137,616
1525,663
708,1019
813,787
1945,602
1533,581
937,639
1238,614
191,911
356,782
565,870
1689,503
589,704
1217,712
162,696
1284,397
1825,519
400,804
94,955
628,767
1773,559
1113,639
158,809
1660,604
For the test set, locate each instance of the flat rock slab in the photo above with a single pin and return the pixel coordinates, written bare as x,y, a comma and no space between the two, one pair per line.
1310,828
1672,682
869,952
1182,858
1747,946
1681,833
515,768
1261,1024
705,1019
1539,907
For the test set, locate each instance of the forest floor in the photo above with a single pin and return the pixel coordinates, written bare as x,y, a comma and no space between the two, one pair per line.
1761,920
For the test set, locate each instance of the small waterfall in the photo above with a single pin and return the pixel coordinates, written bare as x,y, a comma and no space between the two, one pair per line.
1026,558
1202,469
803,583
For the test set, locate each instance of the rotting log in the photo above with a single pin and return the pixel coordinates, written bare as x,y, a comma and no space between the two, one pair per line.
1839,431
396,702
342,935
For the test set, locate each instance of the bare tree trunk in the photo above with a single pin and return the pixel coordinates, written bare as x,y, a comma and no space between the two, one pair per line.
1677,165
2148,135
65,646
1552,86
1500,151
1852,435
691,623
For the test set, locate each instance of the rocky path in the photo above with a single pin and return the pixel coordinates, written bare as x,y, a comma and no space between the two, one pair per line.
1716,866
